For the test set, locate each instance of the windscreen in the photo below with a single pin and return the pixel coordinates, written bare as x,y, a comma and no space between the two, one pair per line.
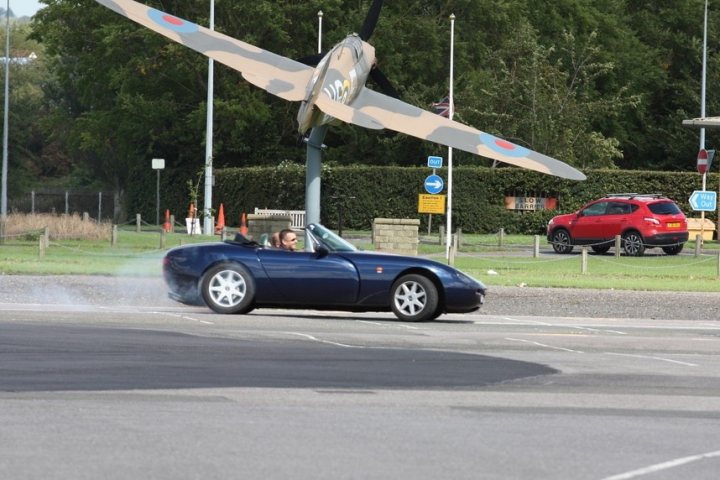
329,239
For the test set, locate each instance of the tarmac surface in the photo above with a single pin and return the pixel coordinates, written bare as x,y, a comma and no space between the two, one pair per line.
525,301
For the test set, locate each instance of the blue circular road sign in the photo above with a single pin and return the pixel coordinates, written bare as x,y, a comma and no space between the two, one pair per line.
434,184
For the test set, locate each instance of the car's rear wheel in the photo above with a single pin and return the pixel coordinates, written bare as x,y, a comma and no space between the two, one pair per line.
600,248
414,298
561,241
633,244
228,288
673,250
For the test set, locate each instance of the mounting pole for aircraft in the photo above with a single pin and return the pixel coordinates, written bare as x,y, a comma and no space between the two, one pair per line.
6,126
312,176
208,226
451,111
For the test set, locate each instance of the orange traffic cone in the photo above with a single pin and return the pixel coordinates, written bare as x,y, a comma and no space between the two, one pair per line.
220,225
243,225
167,226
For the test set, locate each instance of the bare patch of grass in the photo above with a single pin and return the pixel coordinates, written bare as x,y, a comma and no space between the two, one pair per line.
61,227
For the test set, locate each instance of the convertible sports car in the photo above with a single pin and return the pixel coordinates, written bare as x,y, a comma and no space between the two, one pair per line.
240,275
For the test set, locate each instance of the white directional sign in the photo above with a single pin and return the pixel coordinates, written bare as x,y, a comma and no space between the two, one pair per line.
703,201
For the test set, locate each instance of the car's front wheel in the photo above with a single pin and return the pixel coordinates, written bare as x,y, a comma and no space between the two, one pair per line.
414,298
673,250
633,244
228,288
561,241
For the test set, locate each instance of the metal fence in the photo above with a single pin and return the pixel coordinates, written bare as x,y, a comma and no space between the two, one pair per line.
99,205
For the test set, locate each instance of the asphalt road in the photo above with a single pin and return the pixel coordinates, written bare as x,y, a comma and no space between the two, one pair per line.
106,378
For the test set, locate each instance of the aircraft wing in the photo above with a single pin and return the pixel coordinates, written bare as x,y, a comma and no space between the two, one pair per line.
274,73
703,122
402,117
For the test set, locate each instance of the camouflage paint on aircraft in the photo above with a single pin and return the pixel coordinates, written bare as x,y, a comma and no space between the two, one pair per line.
335,89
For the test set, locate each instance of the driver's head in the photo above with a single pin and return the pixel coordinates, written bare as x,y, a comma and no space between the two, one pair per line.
288,239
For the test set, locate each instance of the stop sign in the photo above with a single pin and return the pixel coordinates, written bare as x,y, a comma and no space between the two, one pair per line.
702,161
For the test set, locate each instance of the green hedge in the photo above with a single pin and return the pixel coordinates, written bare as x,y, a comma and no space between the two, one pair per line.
365,193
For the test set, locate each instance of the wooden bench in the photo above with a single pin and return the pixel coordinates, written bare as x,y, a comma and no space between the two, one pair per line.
297,217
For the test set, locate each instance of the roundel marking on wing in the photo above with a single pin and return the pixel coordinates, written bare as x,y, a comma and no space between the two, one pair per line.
503,146
173,23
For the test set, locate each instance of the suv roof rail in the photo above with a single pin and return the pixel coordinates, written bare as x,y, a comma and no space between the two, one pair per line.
633,195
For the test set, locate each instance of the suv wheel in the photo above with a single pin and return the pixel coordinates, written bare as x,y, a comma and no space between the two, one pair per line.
633,244
561,241
673,250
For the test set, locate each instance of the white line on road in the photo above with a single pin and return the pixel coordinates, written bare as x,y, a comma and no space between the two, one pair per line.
185,317
662,466
543,345
408,327
310,337
652,358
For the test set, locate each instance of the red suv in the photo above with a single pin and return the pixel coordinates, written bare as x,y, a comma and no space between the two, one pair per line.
642,221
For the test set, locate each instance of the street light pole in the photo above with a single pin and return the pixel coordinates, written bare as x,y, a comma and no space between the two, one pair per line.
320,16
702,104
207,206
451,111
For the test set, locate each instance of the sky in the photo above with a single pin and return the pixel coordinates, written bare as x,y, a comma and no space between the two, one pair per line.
23,8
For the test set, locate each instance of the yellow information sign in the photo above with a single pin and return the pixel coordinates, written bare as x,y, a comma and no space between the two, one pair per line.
431,203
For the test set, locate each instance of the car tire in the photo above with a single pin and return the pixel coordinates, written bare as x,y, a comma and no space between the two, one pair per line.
633,244
600,248
561,241
228,288
673,250
414,298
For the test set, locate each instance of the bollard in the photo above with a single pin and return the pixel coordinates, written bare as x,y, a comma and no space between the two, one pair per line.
223,235
451,255
41,246
442,235
718,265
3,229
584,261
137,222
172,223
458,243
698,244
46,234
86,217
113,236
162,239
536,246
501,238
618,245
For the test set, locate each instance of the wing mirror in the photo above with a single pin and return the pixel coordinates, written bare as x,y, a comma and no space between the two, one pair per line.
321,251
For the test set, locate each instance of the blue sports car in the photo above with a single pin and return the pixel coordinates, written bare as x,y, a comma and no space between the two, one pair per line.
239,275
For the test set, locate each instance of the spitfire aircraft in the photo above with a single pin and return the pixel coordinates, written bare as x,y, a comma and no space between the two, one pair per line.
335,90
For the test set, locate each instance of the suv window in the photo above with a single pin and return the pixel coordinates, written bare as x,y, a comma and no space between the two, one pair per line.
595,209
617,208
664,208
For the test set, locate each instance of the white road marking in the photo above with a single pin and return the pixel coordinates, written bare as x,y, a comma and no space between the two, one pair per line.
662,466
543,345
184,317
310,337
653,358
409,327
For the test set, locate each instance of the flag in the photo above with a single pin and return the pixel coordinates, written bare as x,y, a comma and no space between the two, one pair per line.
442,107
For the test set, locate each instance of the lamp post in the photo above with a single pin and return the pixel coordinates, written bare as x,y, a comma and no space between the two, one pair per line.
451,111
702,105
320,15
207,204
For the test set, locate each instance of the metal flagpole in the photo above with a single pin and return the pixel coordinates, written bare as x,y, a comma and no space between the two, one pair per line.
320,15
451,111
207,207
